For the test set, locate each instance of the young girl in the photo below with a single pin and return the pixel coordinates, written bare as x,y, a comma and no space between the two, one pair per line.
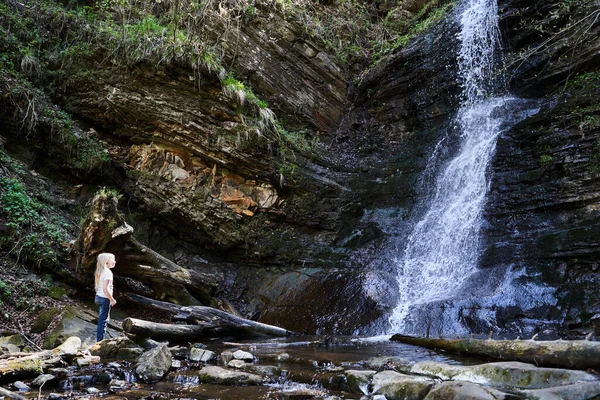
104,291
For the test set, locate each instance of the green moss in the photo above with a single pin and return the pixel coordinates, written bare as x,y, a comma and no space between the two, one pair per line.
545,159
44,319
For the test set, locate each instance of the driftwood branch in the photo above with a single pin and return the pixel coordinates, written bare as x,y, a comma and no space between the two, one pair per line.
227,323
574,354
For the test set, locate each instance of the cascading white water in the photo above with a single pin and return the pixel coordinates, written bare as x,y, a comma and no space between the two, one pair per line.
442,250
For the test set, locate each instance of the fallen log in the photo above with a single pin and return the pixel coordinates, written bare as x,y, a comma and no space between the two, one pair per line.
31,364
11,395
171,332
573,354
228,324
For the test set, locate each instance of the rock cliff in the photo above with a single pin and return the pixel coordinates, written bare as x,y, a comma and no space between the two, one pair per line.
301,225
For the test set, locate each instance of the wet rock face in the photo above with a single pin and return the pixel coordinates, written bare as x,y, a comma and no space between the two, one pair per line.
548,42
301,82
545,187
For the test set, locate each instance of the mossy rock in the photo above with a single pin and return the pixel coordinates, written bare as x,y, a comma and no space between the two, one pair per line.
17,340
44,319
57,292
74,323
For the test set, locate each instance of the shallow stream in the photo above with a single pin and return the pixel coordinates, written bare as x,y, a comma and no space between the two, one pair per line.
302,368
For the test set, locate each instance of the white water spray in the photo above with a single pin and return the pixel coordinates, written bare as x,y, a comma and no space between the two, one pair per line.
442,251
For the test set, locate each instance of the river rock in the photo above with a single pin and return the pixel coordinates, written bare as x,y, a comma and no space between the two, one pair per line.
453,390
9,348
202,355
358,380
21,387
243,355
239,364
222,376
396,386
263,370
226,356
512,374
179,351
154,364
117,384
70,347
87,360
121,348
578,391
13,343
395,363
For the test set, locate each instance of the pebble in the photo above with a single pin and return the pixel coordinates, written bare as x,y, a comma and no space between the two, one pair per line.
21,387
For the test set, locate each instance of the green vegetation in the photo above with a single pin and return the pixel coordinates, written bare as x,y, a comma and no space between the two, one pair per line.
65,44
588,80
33,231
21,293
419,23
545,159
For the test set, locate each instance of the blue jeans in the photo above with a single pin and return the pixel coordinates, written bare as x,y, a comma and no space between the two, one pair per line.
103,313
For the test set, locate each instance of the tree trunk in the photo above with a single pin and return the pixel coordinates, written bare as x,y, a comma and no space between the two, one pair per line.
171,332
105,230
228,323
574,354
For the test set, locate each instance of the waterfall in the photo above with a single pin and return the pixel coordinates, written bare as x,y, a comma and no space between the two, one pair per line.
443,248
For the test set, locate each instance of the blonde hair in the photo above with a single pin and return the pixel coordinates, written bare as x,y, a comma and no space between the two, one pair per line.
101,262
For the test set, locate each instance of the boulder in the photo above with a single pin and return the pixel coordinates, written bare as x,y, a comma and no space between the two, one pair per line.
511,374
154,364
222,376
397,386
454,390
70,347
74,322
578,391
13,343
44,318
121,348
358,380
